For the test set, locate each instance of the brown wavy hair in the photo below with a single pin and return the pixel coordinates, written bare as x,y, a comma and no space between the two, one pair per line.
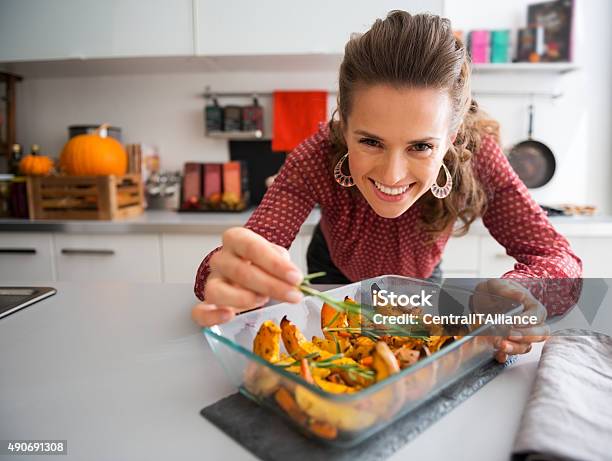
405,50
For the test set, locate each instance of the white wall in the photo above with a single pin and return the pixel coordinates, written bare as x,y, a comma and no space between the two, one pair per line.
577,126
160,109
163,107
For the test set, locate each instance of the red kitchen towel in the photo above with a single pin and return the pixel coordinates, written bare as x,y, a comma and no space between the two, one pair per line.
297,115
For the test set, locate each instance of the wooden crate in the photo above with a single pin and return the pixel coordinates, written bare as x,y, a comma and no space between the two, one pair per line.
85,197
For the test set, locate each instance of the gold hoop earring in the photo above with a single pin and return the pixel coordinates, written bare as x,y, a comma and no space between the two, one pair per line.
442,191
341,178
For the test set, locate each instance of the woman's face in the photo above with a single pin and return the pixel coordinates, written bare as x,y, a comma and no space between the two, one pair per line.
396,140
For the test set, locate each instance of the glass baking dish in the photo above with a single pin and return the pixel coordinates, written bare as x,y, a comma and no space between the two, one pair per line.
358,415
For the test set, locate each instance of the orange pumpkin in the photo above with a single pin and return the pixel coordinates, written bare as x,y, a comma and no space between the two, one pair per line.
93,155
35,165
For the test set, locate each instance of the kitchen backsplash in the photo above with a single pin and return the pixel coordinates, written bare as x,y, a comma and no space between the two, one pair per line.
166,110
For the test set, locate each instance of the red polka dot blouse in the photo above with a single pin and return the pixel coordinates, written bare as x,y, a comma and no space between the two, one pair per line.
363,244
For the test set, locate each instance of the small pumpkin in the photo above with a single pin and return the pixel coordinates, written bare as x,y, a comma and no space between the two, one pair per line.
35,165
94,154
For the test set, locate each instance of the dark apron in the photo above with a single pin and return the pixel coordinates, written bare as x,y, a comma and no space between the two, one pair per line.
319,260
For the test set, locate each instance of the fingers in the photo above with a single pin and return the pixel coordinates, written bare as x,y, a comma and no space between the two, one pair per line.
513,290
501,357
282,251
219,291
520,339
207,315
512,348
252,247
521,294
533,334
246,276
536,309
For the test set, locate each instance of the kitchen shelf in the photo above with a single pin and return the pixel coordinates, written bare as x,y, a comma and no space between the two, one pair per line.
235,135
197,64
541,67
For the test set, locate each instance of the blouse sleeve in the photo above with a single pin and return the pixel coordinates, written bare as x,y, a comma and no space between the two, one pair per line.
545,263
286,204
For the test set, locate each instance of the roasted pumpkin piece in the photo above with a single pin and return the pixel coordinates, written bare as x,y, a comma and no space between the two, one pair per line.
320,372
260,380
407,356
296,343
334,387
344,416
362,347
290,365
435,343
337,322
384,362
352,372
335,378
354,317
333,318
267,341
390,399
285,400
323,429
395,342
331,346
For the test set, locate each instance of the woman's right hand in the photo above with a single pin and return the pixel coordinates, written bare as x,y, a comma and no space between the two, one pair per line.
244,274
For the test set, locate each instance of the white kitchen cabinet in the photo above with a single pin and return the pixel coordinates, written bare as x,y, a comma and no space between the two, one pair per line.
125,258
461,257
182,254
594,252
297,251
245,27
63,29
26,257
494,262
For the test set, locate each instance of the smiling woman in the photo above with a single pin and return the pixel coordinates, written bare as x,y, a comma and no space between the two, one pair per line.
407,155
393,163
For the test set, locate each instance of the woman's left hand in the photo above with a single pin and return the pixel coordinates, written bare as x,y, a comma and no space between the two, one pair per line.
520,338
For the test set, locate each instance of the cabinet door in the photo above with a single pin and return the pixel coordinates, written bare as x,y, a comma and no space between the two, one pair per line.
460,257
182,255
62,29
26,257
245,27
298,250
594,253
124,258
494,262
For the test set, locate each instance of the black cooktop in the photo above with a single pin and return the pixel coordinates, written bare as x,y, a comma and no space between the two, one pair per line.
14,298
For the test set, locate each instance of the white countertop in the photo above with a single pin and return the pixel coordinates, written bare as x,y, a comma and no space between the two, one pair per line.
156,221
153,221
121,372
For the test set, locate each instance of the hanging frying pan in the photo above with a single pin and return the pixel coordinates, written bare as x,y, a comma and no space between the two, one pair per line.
533,160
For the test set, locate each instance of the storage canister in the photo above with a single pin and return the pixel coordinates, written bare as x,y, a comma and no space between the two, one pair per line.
480,46
500,46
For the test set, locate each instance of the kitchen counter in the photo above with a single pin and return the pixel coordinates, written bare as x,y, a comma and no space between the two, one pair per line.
154,221
157,221
120,372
